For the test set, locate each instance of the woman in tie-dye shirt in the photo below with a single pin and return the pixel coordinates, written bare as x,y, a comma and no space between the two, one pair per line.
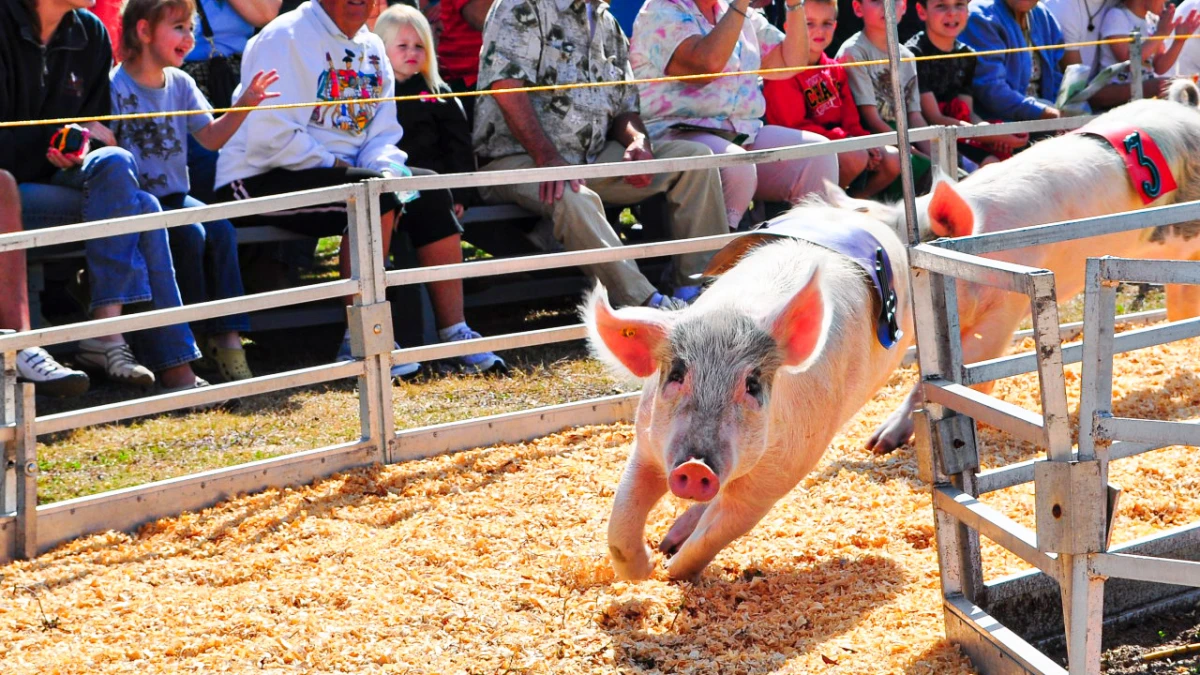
698,37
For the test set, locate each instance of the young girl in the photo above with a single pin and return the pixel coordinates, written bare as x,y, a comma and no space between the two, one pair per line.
438,138
819,101
1146,17
156,36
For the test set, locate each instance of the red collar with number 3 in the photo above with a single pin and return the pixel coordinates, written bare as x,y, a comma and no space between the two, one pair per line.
1148,169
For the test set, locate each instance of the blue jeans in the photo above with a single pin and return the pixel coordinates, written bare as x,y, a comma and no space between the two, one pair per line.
124,269
206,265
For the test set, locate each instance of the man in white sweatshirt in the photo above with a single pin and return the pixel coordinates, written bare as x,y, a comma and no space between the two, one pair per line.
323,51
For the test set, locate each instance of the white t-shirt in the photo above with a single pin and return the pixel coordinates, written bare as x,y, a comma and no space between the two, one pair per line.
1188,63
1073,17
1121,22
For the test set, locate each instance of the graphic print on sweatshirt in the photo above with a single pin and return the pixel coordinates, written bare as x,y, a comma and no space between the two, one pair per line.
346,84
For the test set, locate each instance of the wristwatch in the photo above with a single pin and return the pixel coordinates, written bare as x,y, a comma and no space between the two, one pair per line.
792,8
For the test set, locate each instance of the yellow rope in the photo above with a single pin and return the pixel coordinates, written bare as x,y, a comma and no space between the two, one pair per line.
564,87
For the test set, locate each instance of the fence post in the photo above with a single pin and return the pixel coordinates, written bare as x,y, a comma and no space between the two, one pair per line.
945,153
369,318
906,171
8,415
1135,66
27,471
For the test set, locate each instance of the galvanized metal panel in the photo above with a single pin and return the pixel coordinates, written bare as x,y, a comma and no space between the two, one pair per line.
512,427
130,508
992,648
1070,503
1145,568
1148,431
1099,326
1003,415
491,344
1148,271
995,273
995,526
27,472
1083,613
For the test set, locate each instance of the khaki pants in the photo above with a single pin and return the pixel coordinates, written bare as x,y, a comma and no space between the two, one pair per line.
697,209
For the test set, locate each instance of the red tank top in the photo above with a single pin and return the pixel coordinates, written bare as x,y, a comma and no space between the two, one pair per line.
458,47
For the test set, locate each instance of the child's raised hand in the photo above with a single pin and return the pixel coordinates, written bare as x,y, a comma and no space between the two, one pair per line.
257,92
1188,24
1166,21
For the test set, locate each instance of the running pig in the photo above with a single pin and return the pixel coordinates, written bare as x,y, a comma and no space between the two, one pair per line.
745,389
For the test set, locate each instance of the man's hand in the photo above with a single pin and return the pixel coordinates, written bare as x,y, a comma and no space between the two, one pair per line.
1050,113
638,150
874,157
551,191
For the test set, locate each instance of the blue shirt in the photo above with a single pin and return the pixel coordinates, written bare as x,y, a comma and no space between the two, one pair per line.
230,31
1001,79
159,144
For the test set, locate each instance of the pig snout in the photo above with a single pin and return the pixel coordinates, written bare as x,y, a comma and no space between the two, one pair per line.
694,480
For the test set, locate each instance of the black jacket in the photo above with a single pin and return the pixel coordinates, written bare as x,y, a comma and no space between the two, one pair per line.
67,78
436,134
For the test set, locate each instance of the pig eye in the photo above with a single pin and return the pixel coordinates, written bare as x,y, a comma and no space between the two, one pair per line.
677,372
754,385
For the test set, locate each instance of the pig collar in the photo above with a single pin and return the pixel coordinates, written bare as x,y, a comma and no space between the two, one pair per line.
851,241
1148,170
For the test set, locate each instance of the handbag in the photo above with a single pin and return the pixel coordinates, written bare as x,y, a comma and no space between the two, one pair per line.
223,75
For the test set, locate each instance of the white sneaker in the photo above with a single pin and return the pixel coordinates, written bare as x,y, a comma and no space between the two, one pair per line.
114,360
48,375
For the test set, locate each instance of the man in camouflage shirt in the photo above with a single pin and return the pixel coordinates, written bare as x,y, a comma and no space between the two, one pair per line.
547,42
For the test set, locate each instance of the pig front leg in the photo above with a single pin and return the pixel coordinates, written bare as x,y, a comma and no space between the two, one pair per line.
898,427
682,529
726,518
642,485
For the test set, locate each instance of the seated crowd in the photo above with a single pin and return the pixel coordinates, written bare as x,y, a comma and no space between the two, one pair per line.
57,60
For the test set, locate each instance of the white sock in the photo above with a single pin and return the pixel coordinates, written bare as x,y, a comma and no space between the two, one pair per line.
445,333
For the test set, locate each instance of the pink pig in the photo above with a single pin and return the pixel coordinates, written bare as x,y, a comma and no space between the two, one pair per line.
745,389
1063,178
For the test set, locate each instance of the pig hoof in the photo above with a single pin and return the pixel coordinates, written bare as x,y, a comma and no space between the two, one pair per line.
634,567
892,434
681,530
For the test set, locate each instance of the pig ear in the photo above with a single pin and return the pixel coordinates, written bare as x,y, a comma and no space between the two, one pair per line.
630,337
800,326
949,214
836,196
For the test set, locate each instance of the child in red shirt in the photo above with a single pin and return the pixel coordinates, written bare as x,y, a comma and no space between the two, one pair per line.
819,100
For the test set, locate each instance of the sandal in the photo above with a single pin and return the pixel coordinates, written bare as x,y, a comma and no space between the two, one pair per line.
230,363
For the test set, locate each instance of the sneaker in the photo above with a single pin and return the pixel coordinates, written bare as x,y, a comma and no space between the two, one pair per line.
114,360
49,376
401,371
666,303
482,362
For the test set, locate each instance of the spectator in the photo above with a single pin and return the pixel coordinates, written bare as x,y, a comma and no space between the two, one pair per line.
459,44
700,37
1147,18
819,101
109,13
436,138
33,364
945,83
320,146
1188,64
849,23
550,42
1080,21
55,58
436,133
222,29
871,84
149,81
1019,85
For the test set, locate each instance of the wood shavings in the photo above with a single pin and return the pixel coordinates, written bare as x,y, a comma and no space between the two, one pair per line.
494,561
